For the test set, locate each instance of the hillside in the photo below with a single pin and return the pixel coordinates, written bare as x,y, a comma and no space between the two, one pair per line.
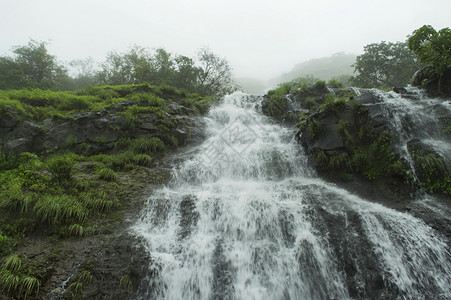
323,68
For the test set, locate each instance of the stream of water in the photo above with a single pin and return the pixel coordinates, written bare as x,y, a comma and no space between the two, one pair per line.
245,217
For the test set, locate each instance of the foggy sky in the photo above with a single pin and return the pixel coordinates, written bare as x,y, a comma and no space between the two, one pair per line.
261,39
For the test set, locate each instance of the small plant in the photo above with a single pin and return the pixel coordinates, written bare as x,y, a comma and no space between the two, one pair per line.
143,160
313,127
331,104
13,263
147,146
15,278
320,157
30,285
107,174
5,244
82,279
61,166
335,84
55,209
126,283
71,141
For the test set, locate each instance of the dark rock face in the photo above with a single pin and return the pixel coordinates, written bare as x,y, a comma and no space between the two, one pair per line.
98,129
329,139
280,106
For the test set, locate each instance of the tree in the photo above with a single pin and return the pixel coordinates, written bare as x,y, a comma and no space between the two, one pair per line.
433,48
209,75
385,65
83,73
11,75
39,68
186,73
215,74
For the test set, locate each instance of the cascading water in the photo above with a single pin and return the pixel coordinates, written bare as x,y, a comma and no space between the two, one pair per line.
245,217
416,116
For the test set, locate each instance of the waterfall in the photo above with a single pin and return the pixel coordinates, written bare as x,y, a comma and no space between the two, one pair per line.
245,217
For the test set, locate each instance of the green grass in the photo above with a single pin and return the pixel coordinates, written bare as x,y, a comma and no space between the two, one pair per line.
16,278
61,166
61,194
332,104
39,104
432,173
80,281
126,283
106,174
57,209
147,145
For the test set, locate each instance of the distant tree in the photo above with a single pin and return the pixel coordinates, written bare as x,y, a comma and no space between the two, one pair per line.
186,73
215,74
83,73
11,75
385,65
39,68
343,79
434,48
209,75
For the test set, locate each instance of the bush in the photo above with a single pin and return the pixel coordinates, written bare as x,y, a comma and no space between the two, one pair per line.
61,166
147,146
58,209
106,174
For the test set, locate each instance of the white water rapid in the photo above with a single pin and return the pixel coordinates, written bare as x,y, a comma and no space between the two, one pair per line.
245,217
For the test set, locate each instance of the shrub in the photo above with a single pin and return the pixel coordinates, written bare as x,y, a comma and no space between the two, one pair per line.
5,244
106,174
56,209
147,145
61,166
143,160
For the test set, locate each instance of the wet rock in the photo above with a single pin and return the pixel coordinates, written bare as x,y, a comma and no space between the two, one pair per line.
98,129
188,216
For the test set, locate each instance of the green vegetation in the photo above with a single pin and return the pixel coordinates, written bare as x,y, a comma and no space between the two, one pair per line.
19,278
385,65
309,89
74,189
79,282
433,48
126,283
365,153
430,168
338,66
33,67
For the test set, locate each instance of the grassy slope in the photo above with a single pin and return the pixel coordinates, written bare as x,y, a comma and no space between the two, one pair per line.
62,195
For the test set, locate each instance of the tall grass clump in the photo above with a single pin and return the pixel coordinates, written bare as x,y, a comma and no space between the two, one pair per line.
61,166
16,278
55,209
106,174
147,145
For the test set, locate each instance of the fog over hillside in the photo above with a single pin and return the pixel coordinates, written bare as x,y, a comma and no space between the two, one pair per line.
324,68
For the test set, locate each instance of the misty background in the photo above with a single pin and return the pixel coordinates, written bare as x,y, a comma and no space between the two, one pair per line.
265,42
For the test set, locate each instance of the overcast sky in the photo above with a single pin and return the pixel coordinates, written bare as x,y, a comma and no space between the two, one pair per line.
261,39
